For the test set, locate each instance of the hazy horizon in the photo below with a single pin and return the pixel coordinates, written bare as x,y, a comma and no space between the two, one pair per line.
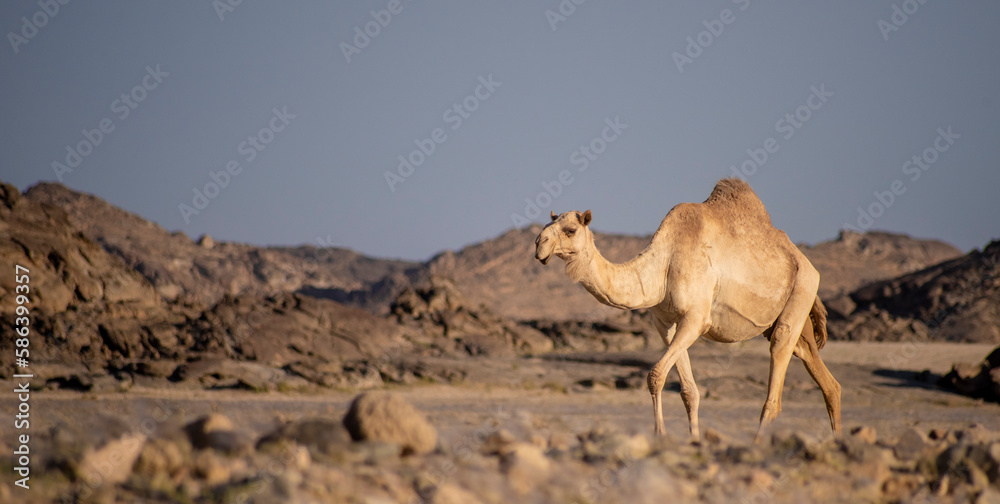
403,129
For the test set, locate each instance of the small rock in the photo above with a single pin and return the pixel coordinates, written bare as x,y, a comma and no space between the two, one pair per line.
714,437
562,441
497,442
760,480
217,432
865,433
211,468
633,448
112,462
901,487
381,416
795,443
994,452
525,466
910,445
156,368
632,381
206,241
95,449
448,493
322,436
163,458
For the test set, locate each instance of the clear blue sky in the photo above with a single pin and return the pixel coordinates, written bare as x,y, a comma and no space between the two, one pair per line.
553,83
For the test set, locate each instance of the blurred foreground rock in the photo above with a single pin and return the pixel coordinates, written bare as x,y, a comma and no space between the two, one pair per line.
314,460
386,417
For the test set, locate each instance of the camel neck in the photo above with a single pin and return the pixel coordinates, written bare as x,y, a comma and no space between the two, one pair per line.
638,283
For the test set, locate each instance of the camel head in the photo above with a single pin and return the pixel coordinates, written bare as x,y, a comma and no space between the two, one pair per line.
564,237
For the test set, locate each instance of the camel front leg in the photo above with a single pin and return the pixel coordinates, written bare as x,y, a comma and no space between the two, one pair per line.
689,389
688,331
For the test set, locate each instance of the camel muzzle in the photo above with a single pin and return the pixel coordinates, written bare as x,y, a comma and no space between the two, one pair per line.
543,251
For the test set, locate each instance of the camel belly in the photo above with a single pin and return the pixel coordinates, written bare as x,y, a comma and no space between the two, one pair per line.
730,324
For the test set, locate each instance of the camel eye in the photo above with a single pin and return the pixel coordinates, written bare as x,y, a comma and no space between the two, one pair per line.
570,231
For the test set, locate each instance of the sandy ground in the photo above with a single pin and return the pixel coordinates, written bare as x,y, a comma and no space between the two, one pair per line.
883,387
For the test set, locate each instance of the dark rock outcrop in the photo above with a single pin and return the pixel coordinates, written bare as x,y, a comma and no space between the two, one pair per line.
441,318
956,300
977,380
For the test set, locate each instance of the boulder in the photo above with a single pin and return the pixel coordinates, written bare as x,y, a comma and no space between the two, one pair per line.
386,417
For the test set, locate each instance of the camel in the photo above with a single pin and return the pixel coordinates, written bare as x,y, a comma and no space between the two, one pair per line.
717,269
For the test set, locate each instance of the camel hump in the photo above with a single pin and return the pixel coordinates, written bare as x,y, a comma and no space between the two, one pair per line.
735,195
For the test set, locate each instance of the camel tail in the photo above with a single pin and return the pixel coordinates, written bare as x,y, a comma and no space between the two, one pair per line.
818,317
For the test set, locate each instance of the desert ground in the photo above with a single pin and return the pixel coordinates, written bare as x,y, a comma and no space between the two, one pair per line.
559,403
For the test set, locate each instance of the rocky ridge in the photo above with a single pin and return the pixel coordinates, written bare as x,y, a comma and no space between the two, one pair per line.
955,300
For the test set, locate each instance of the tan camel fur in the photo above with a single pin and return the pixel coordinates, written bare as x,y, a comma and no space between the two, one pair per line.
717,269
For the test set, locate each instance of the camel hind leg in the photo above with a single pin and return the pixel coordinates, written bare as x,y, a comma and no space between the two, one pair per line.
785,335
808,351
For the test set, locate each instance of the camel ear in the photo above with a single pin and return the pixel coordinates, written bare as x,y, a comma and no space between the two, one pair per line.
585,218
553,215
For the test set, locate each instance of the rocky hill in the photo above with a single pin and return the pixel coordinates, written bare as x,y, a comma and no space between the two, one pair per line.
79,293
205,271
956,300
854,259
96,318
